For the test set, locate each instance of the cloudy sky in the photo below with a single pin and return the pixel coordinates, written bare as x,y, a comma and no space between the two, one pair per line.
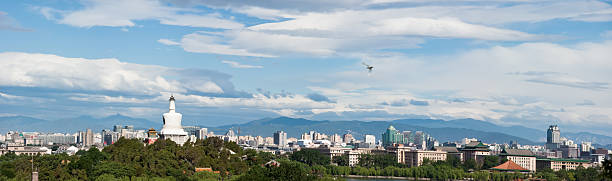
509,62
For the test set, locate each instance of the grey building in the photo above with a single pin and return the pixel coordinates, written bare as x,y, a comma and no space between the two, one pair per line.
553,137
280,138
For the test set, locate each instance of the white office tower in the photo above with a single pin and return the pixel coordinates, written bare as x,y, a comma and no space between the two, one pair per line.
370,139
172,125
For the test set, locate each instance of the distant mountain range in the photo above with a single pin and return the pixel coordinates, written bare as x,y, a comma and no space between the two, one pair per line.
452,130
295,127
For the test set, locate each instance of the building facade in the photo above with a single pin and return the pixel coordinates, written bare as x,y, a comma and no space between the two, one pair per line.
557,164
280,138
553,137
392,136
524,158
415,158
475,150
347,138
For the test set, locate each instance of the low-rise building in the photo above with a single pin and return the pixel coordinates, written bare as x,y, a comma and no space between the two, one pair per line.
413,157
27,150
509,166
524,158
475,150
353,153
597,159
450,151
557,164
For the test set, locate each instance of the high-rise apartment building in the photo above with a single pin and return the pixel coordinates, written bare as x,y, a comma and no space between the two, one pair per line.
202,133
553,137
280,138
408,138
585,146
336,138
370,139
348,137
392,136
87,137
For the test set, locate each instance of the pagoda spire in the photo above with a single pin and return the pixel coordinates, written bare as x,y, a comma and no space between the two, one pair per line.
172,105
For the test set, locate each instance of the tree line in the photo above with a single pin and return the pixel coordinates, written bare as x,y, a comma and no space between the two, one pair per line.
451,168
131,160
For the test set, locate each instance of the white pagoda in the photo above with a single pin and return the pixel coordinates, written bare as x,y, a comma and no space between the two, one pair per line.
173,129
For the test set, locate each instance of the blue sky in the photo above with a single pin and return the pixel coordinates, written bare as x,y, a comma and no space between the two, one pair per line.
508,62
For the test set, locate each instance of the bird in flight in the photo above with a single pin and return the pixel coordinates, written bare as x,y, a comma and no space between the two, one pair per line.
369,67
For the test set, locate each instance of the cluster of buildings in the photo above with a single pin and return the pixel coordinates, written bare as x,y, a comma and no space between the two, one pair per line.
412,148
418,139
408,147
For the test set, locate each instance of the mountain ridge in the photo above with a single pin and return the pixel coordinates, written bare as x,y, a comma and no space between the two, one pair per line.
441,129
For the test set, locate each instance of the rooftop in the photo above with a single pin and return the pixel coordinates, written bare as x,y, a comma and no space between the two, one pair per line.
518,152
509,166
476,144
563,160
448,149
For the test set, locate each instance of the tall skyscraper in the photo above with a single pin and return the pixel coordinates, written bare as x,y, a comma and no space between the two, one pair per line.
370,139
173,129
336,138
392,136
585,146
348,137
117,128
202,133
420,139
109,137
553,137
306,136
88,140
280,138
408,138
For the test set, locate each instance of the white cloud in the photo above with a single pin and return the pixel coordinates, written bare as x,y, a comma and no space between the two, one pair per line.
242,66
124,13
202,43
111,99
472,11
258,101
329,29
168,42
480,80
52,71
480,12
8,23
209,87
262,44
373,23
9,96
210,21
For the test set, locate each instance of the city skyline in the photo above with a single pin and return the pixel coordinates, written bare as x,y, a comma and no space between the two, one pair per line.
508,63
398,149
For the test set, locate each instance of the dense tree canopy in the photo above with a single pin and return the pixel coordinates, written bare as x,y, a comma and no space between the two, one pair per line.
341,160
131,160
310,157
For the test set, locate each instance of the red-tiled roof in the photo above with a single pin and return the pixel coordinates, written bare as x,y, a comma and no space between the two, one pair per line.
509,165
